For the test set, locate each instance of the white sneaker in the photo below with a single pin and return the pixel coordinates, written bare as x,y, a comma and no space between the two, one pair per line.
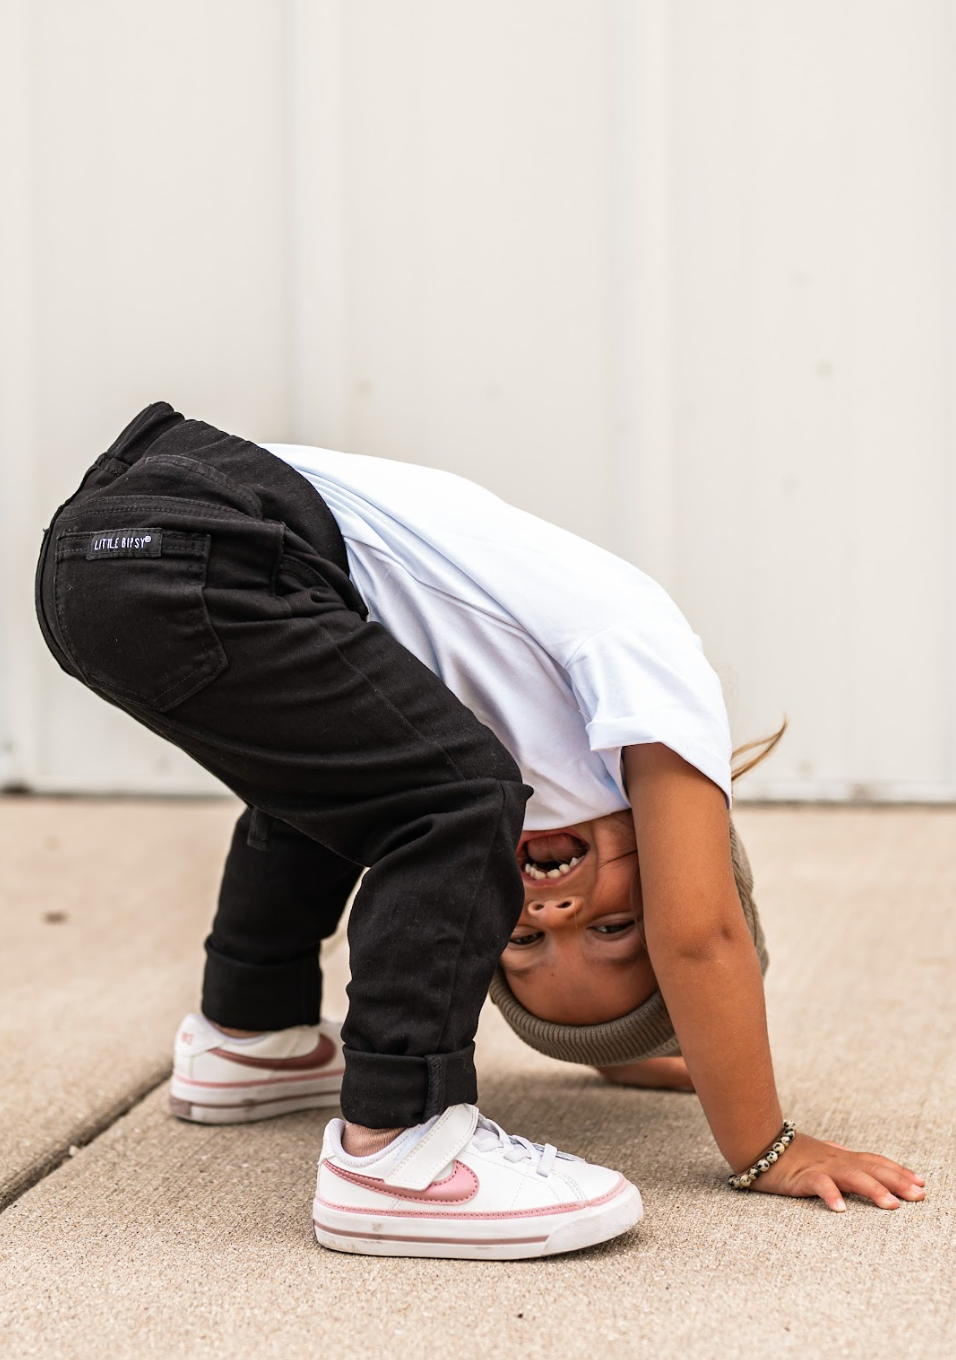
220,1080
459,1186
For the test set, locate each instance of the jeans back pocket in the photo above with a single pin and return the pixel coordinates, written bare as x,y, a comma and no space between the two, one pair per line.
131,609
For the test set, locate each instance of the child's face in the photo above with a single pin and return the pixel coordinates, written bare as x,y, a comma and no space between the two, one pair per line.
577,955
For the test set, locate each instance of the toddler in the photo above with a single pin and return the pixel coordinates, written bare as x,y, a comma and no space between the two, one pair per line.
517,736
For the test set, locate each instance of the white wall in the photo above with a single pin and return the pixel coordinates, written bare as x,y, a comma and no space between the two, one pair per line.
814,297
675,276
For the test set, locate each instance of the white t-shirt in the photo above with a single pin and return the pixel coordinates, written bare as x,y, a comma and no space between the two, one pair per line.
565,651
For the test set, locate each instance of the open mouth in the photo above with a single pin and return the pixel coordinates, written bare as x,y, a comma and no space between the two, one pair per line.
550,854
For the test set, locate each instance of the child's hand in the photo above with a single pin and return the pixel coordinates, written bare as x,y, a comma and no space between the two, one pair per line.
656,1074
811,1166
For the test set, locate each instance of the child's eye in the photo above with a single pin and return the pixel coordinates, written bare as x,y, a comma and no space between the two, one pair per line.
525,939
614,928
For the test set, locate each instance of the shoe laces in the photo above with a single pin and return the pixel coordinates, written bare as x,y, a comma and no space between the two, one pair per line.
491,1137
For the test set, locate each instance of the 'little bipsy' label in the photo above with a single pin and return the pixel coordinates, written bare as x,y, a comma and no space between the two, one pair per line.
126,543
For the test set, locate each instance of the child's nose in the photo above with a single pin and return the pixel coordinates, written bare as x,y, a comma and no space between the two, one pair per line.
552,904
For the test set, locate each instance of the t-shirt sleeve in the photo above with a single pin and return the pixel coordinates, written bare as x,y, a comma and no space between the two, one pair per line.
651,682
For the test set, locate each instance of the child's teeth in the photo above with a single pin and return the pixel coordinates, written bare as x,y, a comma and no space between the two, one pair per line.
533,871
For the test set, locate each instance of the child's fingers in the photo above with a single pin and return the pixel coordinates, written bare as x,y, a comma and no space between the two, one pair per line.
881,1167
828,1191
898,1170
902,1175
907,1189
861,1183
895,1178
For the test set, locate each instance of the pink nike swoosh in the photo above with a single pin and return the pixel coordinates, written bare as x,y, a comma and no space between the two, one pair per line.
458,1188
323,1053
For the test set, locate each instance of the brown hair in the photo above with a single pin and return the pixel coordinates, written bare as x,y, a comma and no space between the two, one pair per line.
762,745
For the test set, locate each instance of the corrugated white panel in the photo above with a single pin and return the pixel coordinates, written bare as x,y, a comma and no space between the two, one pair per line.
151,138
676,277
475,197
814,307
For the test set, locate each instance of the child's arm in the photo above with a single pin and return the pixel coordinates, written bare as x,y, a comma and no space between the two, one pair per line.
710,979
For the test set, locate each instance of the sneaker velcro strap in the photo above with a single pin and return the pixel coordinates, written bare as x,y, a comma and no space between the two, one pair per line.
440,1145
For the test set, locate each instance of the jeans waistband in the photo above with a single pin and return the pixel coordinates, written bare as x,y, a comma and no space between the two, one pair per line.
249,479
247,470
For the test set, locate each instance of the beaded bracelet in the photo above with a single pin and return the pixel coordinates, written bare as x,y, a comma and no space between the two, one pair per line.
767,1159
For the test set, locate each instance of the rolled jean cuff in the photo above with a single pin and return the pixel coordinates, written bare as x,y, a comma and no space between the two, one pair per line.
385,1091
261,995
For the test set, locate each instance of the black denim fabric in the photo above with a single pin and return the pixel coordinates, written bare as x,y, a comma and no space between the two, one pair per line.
201,584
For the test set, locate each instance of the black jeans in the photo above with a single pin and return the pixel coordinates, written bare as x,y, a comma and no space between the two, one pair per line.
201,584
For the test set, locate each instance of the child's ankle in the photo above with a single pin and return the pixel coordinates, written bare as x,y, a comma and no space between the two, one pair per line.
237,1033
359,1141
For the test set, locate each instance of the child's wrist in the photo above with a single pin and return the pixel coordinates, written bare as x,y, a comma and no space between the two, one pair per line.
748,1147
767,1160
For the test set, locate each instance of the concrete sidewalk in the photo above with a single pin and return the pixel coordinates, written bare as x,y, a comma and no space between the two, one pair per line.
161,1238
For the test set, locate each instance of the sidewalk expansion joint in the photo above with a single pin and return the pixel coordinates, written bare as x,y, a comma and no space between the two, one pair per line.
51,1161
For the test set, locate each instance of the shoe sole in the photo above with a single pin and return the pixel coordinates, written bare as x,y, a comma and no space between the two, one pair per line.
450,1239
261,1104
